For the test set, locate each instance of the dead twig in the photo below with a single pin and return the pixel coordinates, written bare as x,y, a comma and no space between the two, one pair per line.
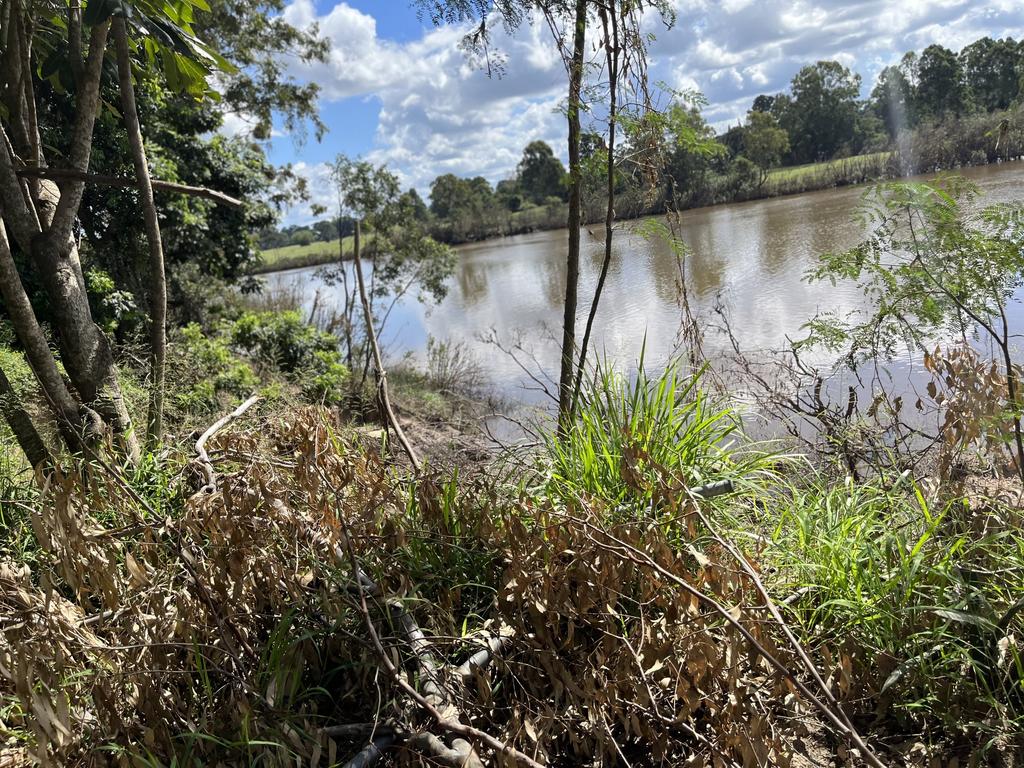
203,457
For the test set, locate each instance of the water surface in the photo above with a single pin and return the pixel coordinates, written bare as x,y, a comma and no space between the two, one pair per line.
749,258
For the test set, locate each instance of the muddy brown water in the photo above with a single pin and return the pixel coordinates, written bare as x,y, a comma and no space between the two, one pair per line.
749,258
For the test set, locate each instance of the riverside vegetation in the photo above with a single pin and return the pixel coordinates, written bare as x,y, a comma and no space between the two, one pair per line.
934,110
287,565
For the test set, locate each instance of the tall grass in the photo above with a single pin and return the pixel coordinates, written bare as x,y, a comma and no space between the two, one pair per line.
632,433
915,604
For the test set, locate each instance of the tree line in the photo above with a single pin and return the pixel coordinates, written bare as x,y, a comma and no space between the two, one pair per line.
820,117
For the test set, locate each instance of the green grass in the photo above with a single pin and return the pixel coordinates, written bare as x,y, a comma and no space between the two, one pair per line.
633,434
912,600
813,171
293,256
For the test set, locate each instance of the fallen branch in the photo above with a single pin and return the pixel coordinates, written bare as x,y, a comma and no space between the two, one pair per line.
467,671
449,724
203,457
123,182
371,752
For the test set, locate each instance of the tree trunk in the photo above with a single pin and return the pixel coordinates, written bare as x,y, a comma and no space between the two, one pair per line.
371,339
21,424
158,281
612,56
572,277
37,350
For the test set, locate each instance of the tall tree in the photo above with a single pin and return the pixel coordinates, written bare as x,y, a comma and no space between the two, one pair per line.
992,70
39,205
822,116
764,142
157,277
940,83
540,174
892,99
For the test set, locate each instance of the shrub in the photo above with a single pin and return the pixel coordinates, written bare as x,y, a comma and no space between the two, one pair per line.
202,368
914,607
631,435
279,339
284,341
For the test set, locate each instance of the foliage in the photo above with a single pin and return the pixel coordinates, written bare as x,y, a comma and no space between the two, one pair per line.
540,174
905,601
651,424
821,115
764,142
202,369
992,72
941,89
927,268
282,340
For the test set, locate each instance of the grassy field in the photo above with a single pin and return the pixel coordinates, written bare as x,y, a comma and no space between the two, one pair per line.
812,171
292,256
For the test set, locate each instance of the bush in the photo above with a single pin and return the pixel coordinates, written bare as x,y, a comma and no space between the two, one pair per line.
202,368
279,339
285,342
913,606
633,434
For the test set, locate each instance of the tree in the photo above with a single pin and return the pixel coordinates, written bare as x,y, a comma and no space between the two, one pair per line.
402,257
40,214
254,36
892,99
764,142
940,83
691,149
157,275
303,237
464,208
822,116
933,268
540,174
568,21
763,103
991,71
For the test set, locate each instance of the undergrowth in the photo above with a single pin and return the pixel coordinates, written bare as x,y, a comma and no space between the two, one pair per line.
146,624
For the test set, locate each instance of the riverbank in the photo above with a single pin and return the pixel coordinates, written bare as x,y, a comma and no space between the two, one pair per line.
309,587
780,182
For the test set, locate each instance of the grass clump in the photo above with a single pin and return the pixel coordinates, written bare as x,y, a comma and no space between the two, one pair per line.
633,432
913,606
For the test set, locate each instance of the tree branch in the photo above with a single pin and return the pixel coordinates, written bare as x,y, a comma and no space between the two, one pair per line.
122,182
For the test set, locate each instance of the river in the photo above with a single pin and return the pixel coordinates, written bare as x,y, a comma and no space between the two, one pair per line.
749,258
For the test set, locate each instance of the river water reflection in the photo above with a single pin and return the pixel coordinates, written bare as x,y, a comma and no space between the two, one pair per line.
751,258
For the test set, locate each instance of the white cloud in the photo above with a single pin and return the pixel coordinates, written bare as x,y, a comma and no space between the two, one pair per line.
440,114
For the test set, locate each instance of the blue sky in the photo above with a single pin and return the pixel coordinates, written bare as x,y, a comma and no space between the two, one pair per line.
399,91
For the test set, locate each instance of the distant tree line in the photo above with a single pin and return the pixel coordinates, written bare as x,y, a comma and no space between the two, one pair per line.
949,108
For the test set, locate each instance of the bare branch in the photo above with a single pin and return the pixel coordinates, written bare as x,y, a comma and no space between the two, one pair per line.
123,182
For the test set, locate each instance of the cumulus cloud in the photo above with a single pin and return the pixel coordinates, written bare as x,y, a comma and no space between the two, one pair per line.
441,114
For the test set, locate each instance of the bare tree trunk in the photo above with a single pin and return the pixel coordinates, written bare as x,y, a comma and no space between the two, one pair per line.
612,56
21,424
40,217
572,277
157,277
382,378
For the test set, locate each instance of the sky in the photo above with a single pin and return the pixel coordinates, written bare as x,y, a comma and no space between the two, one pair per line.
398,91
